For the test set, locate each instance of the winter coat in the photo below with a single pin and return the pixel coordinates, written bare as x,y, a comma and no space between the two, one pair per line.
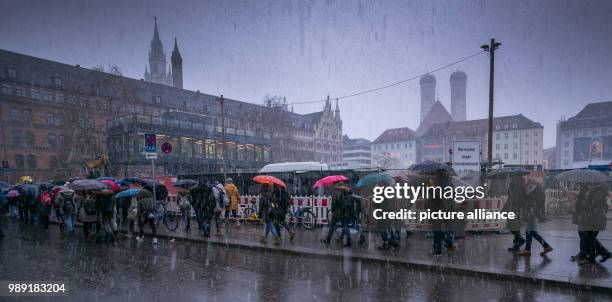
234,196
531,212
217,189
265,204
87,209
146,206
66,202
45,205
342,205
514,203
591,208
106,204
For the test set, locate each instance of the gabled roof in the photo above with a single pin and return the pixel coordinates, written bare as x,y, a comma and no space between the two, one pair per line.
510,122
395,135
437,114
592,115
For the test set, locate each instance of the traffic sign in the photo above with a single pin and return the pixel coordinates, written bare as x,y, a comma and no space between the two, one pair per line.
150,142
166,148
151,155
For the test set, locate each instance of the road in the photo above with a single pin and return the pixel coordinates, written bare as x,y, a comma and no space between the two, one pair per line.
180,271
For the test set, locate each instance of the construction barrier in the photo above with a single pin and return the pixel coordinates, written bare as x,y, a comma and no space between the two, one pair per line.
489,204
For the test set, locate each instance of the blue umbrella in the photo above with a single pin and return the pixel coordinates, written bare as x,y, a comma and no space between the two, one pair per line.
375,179
127,181
4,184
432,167
128,193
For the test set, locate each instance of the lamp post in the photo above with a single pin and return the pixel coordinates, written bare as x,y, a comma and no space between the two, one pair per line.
491,50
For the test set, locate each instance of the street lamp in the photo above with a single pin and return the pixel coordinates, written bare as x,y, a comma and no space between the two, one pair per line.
491,50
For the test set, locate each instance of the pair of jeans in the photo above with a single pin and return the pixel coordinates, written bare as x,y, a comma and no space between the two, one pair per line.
331,228
530,235
270,227
142,221
440,237
186,218
518,239
69,221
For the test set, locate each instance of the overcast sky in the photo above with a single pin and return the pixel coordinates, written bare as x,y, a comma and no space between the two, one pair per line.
555,56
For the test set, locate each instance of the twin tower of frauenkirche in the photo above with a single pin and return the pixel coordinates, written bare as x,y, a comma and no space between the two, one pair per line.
156,70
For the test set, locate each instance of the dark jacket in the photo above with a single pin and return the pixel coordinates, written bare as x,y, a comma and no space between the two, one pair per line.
591,208
515,203
532,211
66,202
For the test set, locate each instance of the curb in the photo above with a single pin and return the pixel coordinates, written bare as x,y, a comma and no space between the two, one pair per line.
473,271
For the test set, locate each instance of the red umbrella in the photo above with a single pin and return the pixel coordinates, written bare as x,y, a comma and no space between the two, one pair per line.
268,179
113,186
329,180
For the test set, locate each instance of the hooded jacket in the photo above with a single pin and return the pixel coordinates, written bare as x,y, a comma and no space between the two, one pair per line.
66,202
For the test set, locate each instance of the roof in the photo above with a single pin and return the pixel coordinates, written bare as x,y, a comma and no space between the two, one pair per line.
395,135
294,167
437,114
591,116
510,122
346,141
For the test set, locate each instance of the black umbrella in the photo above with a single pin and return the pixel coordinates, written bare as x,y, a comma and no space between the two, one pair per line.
4,184
582,176
186,183
507,172
87,184
161,192
431,167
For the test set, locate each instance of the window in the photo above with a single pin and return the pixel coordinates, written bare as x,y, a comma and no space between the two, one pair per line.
19,161
505,155
497,146
15,115
506,135
29,138
52,140
515,134
27,115
31,161
535,133
50,119
157,99
496,135
57,81
16,137
6,89
505,146
21,92
12,73
514,155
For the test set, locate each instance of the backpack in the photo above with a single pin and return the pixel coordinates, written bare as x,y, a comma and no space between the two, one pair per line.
68,206
223,198
184,203
90,208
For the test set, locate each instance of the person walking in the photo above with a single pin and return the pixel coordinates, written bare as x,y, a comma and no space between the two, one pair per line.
105,203
184,203
590,215
514,203
88,213
441,228
234,198
44,208
146,214
67,207
341,213
221,201
533,212
266,197
132,216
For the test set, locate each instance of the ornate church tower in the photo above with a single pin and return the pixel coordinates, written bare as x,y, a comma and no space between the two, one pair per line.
177,67
157,60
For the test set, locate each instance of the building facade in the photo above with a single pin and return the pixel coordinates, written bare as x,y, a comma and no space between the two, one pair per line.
357,152
394,149
55,118
517,140
586,138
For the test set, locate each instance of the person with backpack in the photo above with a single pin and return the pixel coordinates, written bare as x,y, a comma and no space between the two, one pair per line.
105,203
266,214
67,206
532,213
44,208
221,201
87,213
184,203
234,199
146,214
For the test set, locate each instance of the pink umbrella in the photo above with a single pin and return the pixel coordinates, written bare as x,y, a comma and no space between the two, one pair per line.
12,193
329,180
113,186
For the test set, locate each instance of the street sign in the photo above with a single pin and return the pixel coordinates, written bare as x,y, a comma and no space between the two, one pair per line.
151,155
166,148
150,143
466,156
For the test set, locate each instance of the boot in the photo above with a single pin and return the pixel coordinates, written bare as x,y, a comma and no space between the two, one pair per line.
263,240
277,240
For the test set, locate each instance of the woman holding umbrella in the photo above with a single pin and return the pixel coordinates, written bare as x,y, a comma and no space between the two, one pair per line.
268,208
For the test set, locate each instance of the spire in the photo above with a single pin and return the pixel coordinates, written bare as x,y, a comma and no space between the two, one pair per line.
175,50
337,112
155,31
327,104
177,66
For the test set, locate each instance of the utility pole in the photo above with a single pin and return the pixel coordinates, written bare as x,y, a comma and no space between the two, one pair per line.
224,146
491,50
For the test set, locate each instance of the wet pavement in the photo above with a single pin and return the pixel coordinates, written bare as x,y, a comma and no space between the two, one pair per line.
183,271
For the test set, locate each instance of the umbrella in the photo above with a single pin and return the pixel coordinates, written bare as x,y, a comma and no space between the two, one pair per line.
87,184
507,172
161,192
329,180
12,193
582,176
431,167
111,184
4,184
128,193
127,181
186,183
105,178
28,189
268,179
375,179
43,185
